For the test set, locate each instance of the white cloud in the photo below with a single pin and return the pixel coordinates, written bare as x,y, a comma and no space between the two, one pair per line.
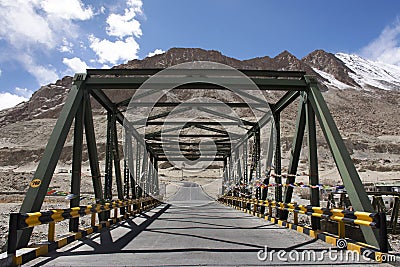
126,28
75,64
23,92
43,74
112,52
20,24
1,72
38,27
126,24
123,25
66,47
386,48
155,52
68,10
8,100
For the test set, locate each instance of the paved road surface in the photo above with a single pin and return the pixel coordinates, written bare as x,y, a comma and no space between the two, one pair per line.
190,230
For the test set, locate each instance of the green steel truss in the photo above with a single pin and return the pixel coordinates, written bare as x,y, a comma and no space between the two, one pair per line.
242,161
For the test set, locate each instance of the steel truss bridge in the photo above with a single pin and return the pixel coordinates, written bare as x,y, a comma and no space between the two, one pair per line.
245,156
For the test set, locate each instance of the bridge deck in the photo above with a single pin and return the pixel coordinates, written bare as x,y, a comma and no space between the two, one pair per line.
190,230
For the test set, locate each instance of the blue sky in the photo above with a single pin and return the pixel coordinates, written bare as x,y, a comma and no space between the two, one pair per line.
43,40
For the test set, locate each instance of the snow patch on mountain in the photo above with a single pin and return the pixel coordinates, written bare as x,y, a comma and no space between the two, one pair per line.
331,81
371,74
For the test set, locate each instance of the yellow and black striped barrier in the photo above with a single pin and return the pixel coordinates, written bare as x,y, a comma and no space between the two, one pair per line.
342,217
20,221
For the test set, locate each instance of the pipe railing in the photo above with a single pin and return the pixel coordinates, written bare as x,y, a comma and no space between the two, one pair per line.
342,217
20,221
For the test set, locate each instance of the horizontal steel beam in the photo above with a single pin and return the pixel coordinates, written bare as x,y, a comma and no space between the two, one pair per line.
187,83
193,123
211,129
184,159
182,144
191,136
208,153
212,72
190,104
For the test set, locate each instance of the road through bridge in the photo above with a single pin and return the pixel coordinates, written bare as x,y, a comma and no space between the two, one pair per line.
192,229
194,117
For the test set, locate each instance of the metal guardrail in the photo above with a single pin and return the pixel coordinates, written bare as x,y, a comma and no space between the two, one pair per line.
342,217
20,221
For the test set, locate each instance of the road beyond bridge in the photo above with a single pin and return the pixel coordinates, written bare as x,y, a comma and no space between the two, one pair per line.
193,229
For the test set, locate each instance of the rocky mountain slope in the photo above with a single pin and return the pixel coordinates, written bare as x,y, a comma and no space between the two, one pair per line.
362,95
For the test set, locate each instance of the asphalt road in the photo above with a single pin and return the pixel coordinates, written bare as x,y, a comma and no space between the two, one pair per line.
200,232
190,195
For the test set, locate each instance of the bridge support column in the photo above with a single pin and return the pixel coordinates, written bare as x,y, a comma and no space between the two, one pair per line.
238,167
109,155
45,170
150,178
352,182
92,151
225,180
295,155
245,167
143,173
278,172
258,164
138,170
156,181
76,165
117,161
127,174
313,162
268,166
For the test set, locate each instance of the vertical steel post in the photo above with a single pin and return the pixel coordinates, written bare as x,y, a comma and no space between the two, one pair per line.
138,170
224,177
258,165
92,151
295,154
156,181
239,168
131,168
44,172
313,162
127,174
108,168
150,175
268,166
278,172
383,239
144,172
234,169
230,168
12,234
76,165
245,167
351,180
117,161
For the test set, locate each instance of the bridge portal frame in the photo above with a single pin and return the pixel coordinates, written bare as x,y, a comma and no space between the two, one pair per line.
91,84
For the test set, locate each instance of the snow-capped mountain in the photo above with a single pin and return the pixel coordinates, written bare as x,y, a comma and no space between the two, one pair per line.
345,71
373,74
